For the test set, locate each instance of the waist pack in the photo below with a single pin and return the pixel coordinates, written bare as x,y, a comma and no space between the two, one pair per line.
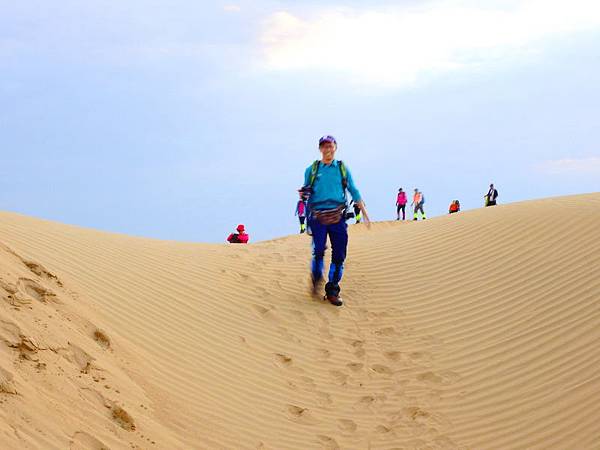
330,216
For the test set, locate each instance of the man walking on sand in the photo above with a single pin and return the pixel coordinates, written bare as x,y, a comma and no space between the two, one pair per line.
327,181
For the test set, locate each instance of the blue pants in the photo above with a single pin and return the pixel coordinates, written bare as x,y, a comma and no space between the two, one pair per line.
338,235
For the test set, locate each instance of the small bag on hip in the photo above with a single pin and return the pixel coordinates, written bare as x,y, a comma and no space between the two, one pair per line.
330,216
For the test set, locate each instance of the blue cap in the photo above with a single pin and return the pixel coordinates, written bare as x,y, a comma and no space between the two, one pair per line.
327,138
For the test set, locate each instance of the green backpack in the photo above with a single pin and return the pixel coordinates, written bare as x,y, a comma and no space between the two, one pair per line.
343,172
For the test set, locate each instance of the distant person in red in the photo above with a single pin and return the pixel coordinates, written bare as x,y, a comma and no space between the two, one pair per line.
240,237
454,207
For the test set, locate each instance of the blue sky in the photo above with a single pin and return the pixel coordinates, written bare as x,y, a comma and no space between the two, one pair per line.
180,119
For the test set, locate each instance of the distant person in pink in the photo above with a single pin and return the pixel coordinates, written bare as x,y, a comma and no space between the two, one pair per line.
301,213
240,237
401,201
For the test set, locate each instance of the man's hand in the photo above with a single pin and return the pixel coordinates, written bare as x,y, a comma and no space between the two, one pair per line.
365,214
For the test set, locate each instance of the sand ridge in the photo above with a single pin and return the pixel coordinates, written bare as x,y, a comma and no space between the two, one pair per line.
472,331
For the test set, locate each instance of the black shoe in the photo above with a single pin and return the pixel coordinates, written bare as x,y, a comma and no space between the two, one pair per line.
334,300
415,218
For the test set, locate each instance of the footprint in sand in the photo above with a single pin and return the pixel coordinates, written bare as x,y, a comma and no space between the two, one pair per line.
392,355
368,401
325,334
324,399
261,291
27,348
41,271
443,378
265,312
340,377
122,417
356,347
420,357
101,338
361,314
299,316
387,331
84,441
355,366
10,333
347,425
328,443
36,291
7,385
283,360
416,414
300,415
80,357
383,430
430,377
309,383
285,334
381,369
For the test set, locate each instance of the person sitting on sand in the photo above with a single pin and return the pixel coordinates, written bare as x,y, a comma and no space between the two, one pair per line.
454,207
240,237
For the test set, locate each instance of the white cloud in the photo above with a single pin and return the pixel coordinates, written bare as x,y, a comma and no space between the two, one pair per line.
396,46
232,8
589,165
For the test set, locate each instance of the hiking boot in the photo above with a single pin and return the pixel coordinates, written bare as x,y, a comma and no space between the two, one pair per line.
334,300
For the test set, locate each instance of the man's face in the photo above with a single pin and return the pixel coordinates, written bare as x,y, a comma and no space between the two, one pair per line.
327,150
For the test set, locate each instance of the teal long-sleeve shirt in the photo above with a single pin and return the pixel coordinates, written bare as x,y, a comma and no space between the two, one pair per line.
328,192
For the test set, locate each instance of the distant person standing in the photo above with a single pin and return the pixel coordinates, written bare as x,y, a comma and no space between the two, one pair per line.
401,202
240,237
301,213
417,204
491,196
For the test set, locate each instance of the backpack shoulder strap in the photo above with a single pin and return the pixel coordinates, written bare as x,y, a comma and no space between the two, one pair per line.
344,174
313,172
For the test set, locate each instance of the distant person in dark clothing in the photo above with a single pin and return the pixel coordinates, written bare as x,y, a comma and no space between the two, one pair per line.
491,196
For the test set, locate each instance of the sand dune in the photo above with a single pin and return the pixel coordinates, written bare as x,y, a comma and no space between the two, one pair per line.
475,331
